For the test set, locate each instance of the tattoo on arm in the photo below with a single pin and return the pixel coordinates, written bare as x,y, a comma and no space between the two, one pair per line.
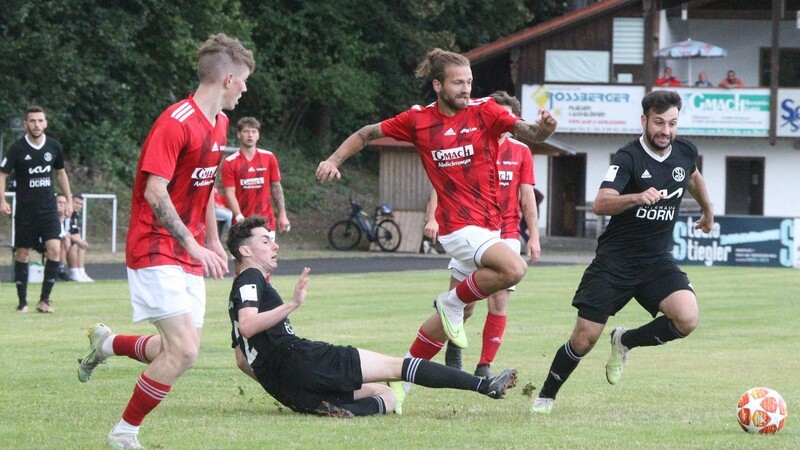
369,133
277,196
166,214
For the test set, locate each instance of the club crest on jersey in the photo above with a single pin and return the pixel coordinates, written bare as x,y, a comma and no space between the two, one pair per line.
48,156
678,174
204,175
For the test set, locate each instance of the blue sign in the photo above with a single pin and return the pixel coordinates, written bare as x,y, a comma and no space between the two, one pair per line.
735,241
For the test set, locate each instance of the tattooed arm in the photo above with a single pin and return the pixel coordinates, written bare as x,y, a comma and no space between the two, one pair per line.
329,169
280,205
538,131
157,197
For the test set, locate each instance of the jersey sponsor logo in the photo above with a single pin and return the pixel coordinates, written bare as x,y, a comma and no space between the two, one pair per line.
611,174
251,183
468,130
677,193
182,112
678,174
48,156
646,174
509,163
457,156
661,214
204,175
39,182
39,169
505,175
449,132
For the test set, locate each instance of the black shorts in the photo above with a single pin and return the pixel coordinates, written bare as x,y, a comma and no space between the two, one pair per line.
607,286
312,372
29,229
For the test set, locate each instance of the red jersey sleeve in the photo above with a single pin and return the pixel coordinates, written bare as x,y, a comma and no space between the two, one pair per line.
497,118
274,171
228,177
398,126
526,168
163,147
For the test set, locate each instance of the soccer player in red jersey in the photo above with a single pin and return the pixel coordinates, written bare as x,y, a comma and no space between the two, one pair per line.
172,216
517,200
252,180
456,139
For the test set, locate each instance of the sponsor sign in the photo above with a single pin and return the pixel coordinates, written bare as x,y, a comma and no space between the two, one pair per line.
737,241
724,112
788,113
587,108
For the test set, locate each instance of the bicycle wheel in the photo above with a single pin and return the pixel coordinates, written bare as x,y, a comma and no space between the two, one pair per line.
344,235
387,235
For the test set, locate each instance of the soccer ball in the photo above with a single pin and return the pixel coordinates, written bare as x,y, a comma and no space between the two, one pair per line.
761,410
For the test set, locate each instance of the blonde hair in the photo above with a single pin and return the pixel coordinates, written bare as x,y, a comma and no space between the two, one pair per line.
435,64
220,55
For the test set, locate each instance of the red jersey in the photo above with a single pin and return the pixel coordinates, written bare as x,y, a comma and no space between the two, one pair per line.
515,167
459,155
184,148
252,181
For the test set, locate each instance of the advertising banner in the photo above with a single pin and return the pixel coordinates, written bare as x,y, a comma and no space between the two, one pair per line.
724,112
737,241
788,112
587,108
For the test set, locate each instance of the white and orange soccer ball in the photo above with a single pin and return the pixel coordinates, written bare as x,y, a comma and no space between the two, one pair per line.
761,410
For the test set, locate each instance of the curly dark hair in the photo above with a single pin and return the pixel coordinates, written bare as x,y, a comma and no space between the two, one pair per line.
241,232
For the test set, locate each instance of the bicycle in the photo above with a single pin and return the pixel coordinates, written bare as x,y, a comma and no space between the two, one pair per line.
380,228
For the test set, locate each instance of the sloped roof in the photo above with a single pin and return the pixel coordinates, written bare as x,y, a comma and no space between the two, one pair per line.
568,20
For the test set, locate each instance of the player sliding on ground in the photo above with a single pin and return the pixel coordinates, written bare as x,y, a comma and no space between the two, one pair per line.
317,377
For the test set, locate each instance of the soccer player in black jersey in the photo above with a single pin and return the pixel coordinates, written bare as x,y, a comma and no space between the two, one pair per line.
642,192
317,377
35,159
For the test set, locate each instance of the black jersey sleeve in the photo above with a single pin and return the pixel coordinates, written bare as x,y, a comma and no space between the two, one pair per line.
619,172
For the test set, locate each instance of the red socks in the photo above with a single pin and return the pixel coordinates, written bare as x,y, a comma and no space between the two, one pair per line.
132,346
146,396
492,337
424,347
468,291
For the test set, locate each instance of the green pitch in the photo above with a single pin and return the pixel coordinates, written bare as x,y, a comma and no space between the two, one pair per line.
679,396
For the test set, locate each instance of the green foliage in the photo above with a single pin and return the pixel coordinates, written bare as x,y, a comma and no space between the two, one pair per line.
104,70
681,395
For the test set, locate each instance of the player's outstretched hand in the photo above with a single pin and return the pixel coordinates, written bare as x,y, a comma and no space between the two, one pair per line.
300,288
327,171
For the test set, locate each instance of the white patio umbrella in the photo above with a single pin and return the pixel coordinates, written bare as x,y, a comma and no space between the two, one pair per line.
690,50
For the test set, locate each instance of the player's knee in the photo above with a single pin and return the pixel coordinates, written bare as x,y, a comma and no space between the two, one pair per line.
515,271
687,323
582,343
184,358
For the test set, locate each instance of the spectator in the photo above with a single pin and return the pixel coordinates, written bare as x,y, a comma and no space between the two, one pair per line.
702,80
731,81
76,252
66,242
668,79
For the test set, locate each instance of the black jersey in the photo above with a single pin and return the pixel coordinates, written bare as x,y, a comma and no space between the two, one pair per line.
644,233
73,224
34,168
252,290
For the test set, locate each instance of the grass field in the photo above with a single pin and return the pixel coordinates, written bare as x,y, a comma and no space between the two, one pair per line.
679,396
